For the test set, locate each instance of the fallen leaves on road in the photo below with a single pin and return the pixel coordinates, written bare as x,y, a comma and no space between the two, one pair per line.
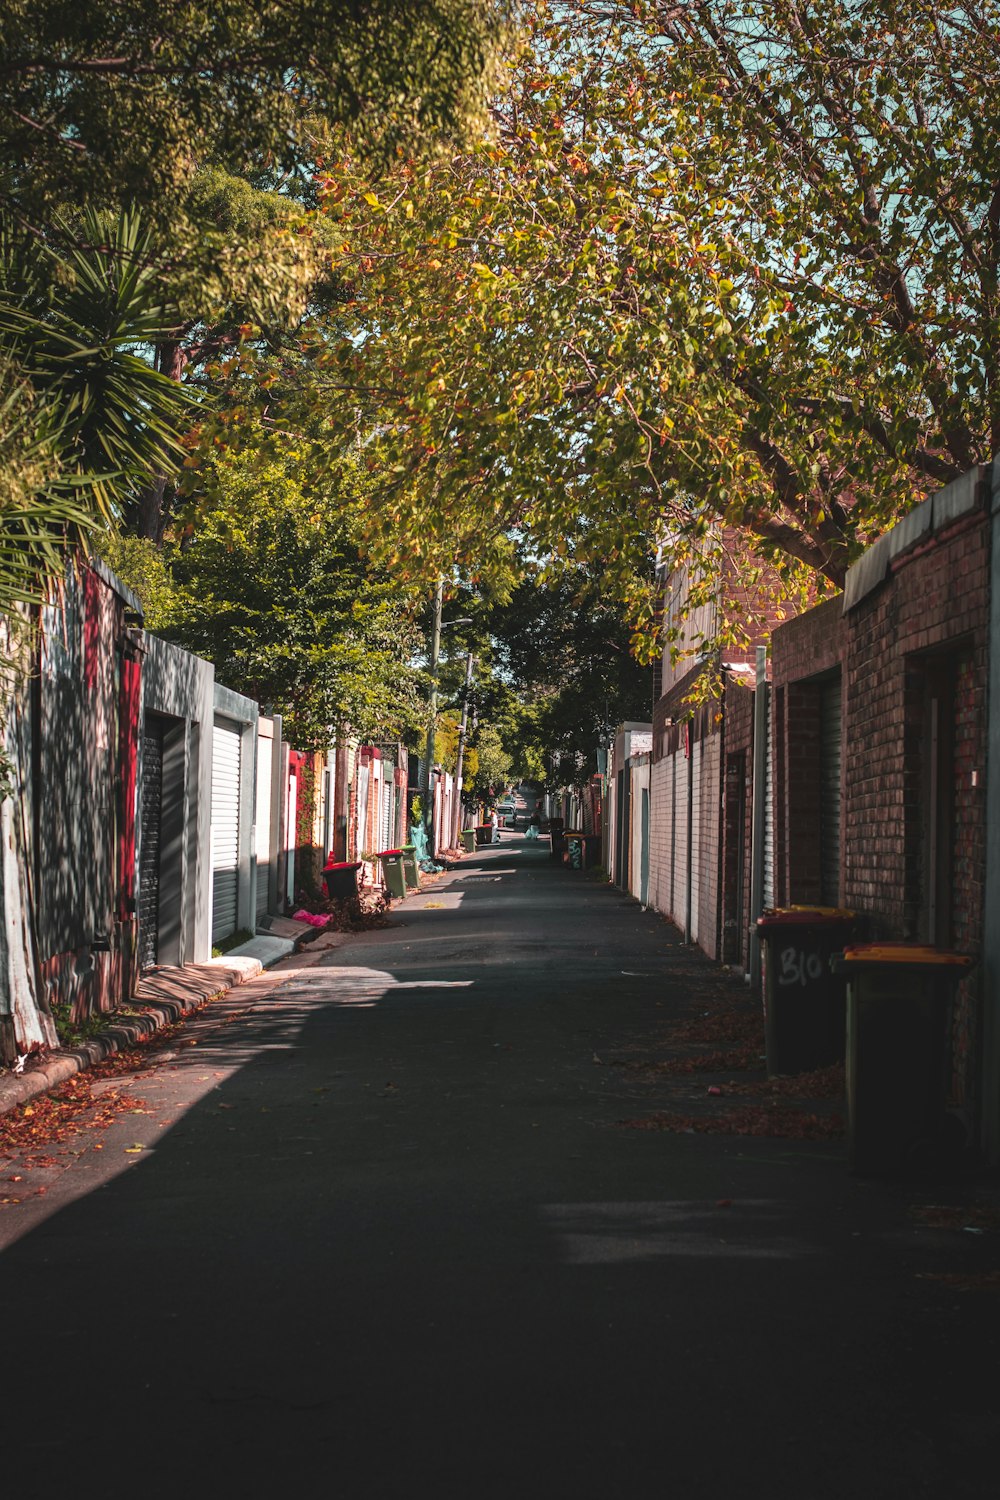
958,1216
28,1130
986,1281
821,1083
741,1028
762,1120
734,1034
727,1038
702,1062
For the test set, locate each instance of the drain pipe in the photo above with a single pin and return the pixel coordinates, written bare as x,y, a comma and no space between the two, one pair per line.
759,816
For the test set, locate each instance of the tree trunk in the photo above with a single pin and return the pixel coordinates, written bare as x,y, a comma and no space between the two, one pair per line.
152,510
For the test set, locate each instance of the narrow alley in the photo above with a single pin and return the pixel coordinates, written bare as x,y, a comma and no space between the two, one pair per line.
379,1230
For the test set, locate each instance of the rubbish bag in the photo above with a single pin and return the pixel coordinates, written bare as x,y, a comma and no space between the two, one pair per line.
418,838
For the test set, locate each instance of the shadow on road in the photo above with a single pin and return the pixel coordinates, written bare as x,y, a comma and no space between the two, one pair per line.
383,1237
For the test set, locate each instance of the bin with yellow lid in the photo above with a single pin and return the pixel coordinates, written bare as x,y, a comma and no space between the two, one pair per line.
804,1000
898,1002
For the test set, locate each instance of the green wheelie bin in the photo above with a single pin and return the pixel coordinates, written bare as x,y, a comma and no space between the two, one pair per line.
410,872
393,872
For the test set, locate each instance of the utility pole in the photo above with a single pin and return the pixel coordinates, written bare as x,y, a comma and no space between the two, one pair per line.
462,728
425,789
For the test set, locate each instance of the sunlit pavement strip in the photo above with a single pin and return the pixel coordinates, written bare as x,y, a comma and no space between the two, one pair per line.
356,986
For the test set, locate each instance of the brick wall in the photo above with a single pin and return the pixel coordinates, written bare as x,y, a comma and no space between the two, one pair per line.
810,644
916,650
934,604
669,708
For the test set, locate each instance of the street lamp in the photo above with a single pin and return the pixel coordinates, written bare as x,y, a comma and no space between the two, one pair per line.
428,805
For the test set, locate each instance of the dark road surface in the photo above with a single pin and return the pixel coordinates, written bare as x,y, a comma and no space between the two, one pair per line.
383,1239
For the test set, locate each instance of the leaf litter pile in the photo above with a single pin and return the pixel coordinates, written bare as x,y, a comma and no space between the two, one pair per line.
776,1120
32,1134
35,1135
736,1037
725,1040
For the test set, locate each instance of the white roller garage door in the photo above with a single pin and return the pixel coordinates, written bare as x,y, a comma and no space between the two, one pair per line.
265,765
225,828
696,757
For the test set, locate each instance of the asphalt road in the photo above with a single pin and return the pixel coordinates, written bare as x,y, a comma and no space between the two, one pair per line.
378,1234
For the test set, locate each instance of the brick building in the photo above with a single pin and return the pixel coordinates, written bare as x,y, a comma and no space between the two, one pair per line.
851,770
879,755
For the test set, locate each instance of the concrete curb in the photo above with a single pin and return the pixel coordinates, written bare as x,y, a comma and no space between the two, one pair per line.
165,996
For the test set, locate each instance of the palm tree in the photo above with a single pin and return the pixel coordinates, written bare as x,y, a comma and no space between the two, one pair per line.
85,418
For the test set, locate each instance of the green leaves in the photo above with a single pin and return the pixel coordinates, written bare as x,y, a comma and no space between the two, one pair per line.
75,324
99,107
724,265
83,414
272,587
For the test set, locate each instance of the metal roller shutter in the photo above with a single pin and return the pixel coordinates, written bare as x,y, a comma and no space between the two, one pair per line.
621,831
326,815
387,818
768,890
696,760
830,754
680,838
663,815
225,828
667,878
644,864
291,815
149,845
265,762
363,845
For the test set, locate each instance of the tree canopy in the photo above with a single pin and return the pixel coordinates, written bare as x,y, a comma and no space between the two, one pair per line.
567,651
271,587
205,125
724,267
105,103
